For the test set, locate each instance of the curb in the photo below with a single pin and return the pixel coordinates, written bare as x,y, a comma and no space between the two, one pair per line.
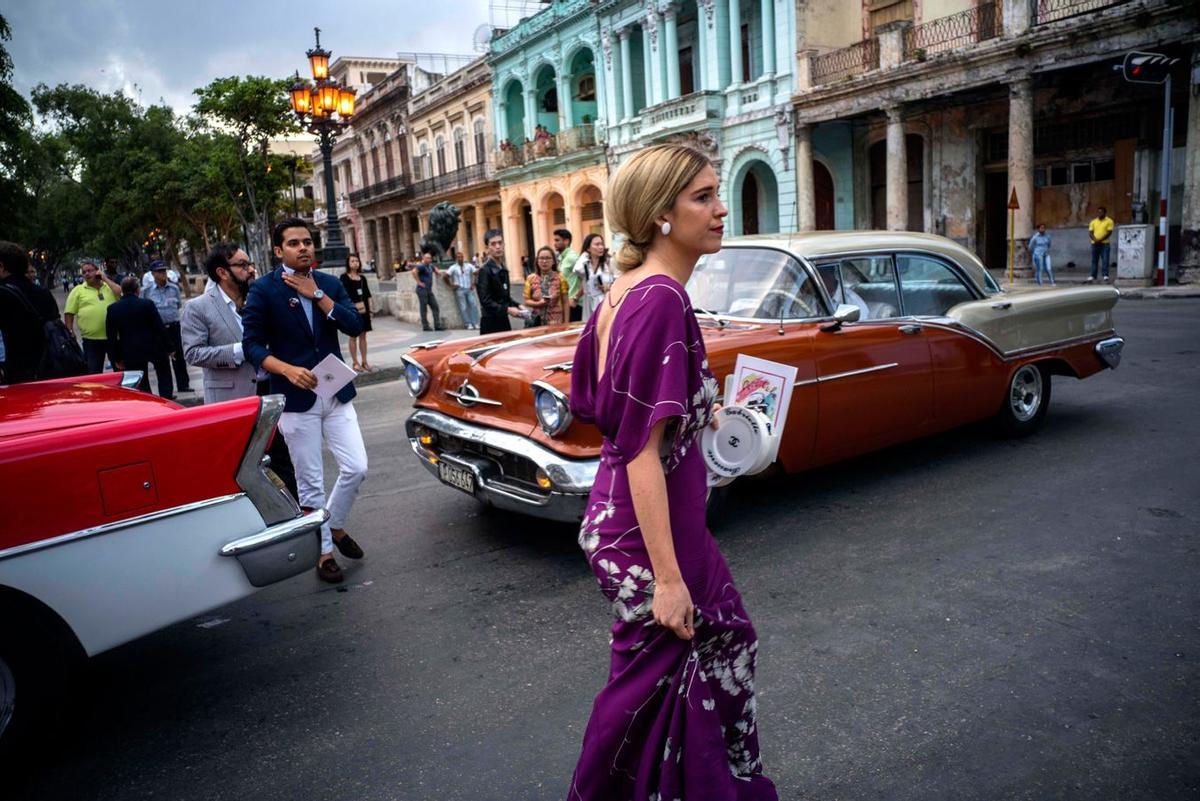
1151,293
380,376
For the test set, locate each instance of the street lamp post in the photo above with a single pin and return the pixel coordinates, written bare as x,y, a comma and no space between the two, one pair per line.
325,109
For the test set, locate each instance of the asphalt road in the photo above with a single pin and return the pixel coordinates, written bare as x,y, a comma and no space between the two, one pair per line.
958,618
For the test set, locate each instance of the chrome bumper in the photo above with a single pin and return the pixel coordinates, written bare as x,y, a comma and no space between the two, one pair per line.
1109,351
490,455
281,551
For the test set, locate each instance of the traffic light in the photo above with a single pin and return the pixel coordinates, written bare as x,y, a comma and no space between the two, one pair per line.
1147,67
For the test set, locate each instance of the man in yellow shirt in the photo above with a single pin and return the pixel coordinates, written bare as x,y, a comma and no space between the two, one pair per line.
89,302
1100,232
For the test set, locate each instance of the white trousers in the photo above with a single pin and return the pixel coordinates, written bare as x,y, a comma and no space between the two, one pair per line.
337,424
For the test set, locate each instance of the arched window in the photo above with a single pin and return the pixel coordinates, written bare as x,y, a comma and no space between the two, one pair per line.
421,166
480,141
440,149
460,148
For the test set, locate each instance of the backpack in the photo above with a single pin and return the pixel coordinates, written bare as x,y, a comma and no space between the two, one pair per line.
61,354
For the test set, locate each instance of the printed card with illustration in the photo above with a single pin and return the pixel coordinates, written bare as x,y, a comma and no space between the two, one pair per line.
765,386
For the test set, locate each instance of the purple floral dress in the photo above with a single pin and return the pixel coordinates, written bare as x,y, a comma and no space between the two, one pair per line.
676,719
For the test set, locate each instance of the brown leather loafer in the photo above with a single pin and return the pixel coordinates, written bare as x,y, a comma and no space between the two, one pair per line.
329,571
348,547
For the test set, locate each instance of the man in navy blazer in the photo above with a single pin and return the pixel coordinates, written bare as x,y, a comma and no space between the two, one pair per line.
290,323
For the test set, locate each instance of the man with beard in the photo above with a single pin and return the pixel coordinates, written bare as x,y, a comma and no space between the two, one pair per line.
211,330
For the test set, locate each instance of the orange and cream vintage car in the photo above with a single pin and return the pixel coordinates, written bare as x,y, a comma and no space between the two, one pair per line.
894,336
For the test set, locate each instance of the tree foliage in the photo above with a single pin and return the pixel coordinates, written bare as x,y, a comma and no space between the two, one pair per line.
105,176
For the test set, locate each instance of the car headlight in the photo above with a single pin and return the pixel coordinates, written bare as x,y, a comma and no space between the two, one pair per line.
415,376
552,409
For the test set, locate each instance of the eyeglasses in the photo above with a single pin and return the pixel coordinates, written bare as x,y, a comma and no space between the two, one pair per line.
245,265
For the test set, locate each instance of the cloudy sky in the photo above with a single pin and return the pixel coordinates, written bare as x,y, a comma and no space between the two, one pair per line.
164,49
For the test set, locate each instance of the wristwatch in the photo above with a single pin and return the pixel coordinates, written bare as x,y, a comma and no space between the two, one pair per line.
318,294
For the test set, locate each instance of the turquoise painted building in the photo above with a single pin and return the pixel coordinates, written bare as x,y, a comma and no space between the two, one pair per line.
582,84
549,98
717,74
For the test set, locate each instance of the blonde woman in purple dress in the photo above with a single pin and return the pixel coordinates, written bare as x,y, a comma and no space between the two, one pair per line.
676,718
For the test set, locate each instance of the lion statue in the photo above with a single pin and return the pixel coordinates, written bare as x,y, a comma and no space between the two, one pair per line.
443,225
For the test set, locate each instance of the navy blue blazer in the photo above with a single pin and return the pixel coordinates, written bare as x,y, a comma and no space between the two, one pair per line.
274,323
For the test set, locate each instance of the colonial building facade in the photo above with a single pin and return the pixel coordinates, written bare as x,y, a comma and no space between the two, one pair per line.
547,99
714,73
450,128
361,74
926,116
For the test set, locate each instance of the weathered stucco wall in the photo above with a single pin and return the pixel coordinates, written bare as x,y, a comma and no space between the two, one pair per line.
828,24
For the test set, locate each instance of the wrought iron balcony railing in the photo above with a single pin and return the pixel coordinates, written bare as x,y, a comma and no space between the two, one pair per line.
456,179
1052,10
952,32
392,187
847,62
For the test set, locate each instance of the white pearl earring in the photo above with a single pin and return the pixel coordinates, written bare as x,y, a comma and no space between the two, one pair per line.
666,229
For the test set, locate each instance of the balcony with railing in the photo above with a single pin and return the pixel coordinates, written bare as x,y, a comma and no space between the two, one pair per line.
1053,10
952,32
553,145
382,190
691,111
847,62
319,212
461,178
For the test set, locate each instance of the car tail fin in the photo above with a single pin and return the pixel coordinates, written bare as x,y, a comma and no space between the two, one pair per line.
273,503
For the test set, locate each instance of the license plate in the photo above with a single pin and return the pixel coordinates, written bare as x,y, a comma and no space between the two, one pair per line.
457,477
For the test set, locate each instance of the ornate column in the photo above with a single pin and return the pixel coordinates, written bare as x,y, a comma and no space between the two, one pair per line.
768,37
897,172
500,121
480,228
654,66
406,248
530,112
672,52
806,206
626,76
371,233
735,43
565,117
385,243
1020,163
647,56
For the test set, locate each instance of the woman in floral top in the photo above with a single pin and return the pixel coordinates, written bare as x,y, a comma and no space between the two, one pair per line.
677,717
546,290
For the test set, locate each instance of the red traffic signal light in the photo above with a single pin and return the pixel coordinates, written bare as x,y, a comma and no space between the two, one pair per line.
1147,67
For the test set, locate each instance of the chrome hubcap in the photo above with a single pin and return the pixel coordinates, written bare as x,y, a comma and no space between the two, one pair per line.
8,696
1026,395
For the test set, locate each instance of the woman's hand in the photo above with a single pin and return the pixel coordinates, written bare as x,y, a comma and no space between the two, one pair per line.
714,423
673,609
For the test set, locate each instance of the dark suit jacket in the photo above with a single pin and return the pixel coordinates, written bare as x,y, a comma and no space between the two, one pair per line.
136,334
492,286
274,323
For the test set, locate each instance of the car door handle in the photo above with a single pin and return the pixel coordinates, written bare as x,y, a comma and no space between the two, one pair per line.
1002,306
910,329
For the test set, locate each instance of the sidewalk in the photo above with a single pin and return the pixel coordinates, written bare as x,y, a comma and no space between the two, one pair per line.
1130,290
390,339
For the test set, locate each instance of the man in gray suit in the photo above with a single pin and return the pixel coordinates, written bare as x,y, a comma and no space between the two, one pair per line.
211,329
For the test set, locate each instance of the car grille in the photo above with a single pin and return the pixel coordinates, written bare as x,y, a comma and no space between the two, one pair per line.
514,469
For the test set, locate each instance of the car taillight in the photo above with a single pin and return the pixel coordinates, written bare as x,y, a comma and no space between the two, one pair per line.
273,503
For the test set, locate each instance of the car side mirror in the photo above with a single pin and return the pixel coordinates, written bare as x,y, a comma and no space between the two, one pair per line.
844,313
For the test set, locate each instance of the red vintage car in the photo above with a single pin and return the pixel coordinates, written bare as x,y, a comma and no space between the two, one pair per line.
893,335
124,513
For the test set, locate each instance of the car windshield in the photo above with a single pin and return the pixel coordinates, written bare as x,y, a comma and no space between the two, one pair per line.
754,282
